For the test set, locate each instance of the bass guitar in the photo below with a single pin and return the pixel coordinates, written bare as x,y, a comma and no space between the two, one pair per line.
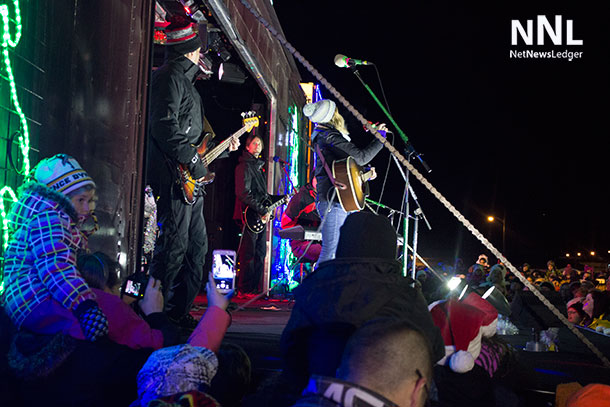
354,183
192,187
255,222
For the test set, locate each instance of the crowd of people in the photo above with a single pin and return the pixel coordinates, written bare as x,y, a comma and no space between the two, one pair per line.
73,333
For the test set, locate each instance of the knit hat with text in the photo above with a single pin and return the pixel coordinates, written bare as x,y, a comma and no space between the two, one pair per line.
62,173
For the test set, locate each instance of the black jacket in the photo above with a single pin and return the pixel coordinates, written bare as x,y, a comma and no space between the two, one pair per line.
342,295
250,185
335,147
176,120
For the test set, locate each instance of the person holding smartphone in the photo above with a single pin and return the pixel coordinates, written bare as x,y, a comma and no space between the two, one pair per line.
149,328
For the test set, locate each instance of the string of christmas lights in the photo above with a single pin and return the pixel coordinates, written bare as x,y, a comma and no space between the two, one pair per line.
8,42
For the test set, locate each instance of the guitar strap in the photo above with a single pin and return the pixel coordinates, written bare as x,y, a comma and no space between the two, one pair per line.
336,184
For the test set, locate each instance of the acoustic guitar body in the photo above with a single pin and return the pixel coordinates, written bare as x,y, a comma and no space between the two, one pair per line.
350,174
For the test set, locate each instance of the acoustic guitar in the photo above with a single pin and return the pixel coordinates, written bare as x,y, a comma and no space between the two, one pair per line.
255,222
192,187
352,180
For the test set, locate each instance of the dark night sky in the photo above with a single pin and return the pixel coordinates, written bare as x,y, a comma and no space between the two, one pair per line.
525,139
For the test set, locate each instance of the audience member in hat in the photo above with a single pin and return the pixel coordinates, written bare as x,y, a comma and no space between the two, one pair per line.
362,283
43,288
496,278
171,372
176,125
481,264
60,348
591,395
386,362
577,315
332,142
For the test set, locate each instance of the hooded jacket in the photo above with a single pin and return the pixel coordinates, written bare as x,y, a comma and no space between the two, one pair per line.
338,298
250,185
176,119
40,259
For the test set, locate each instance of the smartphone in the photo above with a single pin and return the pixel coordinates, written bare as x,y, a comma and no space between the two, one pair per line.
135,285
223,270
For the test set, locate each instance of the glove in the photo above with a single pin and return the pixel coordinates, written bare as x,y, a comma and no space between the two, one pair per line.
92,320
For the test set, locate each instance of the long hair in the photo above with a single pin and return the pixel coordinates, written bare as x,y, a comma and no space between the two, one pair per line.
338,123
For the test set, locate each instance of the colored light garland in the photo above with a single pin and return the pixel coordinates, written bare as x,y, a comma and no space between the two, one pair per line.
9,42
283,258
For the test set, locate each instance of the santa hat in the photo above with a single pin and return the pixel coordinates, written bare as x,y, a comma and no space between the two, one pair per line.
460,325
490,321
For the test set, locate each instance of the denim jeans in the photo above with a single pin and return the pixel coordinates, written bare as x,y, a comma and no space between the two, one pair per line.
332,220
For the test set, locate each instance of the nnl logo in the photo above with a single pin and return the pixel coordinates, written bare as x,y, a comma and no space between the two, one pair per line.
543,25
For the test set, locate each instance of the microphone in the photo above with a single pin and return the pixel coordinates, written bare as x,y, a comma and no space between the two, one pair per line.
279,160
344,62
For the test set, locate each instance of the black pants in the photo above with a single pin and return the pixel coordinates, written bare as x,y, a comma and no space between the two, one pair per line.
180,251
251,260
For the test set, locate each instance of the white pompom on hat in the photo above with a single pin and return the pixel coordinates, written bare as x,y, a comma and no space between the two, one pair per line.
460,326
62,173
320,112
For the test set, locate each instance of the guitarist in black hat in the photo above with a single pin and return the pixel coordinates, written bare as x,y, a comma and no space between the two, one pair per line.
252,215
176,125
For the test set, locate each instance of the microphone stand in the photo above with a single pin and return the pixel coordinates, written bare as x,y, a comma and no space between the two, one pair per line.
410,150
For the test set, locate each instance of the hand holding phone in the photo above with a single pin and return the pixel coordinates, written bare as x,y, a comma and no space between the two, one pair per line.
153,297
215,297
223,270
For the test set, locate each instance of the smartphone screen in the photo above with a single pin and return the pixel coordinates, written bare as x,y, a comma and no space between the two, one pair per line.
132,288
223,270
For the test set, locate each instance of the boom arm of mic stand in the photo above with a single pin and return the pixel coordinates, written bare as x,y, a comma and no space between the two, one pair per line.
402,135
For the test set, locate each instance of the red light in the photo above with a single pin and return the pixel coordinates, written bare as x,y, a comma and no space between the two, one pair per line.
188,10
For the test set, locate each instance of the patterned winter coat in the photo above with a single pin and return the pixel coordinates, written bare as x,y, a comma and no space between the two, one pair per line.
40,260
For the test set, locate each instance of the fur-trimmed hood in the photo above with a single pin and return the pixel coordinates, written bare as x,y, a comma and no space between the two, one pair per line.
46,198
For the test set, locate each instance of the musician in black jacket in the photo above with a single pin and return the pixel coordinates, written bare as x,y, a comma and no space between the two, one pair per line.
331,139
251,194
176,124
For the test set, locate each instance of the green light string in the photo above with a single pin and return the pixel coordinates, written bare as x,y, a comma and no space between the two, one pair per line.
8,42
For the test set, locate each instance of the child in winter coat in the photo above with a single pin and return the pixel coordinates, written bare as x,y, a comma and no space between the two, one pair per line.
43,289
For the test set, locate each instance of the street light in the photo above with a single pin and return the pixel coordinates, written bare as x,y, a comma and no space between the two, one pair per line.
492,219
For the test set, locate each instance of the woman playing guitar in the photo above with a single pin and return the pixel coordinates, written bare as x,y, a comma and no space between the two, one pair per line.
332,143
